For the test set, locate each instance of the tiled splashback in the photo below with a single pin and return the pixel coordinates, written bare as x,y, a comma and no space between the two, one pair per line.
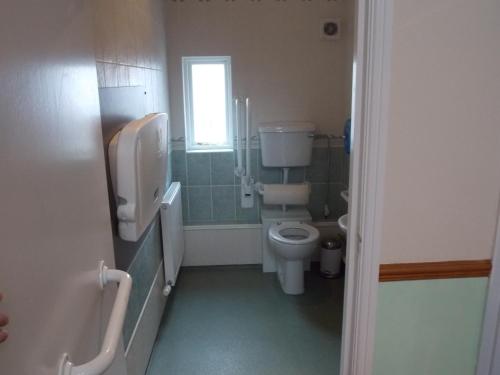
211,191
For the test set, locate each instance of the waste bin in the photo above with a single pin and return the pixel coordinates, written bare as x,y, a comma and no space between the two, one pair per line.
331,257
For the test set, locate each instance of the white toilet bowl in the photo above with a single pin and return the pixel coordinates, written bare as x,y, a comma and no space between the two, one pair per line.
293,242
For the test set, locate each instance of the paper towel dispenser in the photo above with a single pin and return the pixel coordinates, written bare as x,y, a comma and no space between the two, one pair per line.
138,165
287,194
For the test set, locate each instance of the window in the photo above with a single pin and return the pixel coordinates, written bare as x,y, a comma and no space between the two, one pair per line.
207,103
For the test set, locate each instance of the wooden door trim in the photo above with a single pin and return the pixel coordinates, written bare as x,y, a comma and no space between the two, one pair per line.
435,270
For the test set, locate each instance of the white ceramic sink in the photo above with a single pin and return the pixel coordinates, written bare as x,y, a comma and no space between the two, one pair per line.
343,220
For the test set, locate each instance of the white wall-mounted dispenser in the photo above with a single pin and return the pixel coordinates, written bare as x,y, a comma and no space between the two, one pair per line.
138,165
289,194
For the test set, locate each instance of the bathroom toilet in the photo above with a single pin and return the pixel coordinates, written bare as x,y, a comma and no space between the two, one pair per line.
293,243
288,239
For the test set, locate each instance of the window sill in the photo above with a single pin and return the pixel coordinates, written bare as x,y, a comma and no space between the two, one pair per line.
209,150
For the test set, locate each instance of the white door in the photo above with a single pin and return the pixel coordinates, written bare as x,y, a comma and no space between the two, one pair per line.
372,53
54,222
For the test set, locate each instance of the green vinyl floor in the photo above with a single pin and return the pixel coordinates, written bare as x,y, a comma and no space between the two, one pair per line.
237,321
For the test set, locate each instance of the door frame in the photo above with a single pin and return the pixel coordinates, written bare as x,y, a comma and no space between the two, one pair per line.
487,361
370,103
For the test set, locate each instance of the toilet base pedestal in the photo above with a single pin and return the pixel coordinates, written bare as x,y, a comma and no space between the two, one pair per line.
291,276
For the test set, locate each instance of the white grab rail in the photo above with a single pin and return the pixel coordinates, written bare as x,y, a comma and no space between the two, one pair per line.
244,172
248,134
113,332
239,152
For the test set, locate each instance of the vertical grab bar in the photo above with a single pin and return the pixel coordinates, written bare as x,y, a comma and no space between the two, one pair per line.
113,332
239,168
247,193
248,140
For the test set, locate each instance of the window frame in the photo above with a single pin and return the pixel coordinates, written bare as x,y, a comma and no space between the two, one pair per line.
187,85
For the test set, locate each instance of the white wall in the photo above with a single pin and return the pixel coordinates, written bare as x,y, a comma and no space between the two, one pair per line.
130,48
443,174
278,57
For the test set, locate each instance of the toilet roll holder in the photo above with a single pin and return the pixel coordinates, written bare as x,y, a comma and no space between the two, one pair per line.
297,194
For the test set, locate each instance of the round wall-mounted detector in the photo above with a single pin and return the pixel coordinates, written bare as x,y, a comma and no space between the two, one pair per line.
330,29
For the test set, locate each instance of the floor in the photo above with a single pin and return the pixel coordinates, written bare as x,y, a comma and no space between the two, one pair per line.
237,321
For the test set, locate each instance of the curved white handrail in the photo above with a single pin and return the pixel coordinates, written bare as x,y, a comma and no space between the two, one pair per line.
113,332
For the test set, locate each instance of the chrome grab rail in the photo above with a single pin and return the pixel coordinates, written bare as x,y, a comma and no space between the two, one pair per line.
113,332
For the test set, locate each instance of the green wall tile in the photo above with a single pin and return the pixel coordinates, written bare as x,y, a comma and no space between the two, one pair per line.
270,175
317,201
185,203
223,168
142,270
198,169
338,165
318,170
296,175
217,169
223,203
337,204
200,203
179,166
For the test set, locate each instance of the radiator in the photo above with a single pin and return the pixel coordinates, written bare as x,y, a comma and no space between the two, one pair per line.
172,234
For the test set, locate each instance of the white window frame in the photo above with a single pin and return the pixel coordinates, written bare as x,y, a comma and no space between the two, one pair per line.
187,62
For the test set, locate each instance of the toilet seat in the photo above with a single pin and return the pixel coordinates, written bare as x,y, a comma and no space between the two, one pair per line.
293,233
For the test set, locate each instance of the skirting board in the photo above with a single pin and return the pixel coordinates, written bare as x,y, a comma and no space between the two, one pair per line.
217,245
143,338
